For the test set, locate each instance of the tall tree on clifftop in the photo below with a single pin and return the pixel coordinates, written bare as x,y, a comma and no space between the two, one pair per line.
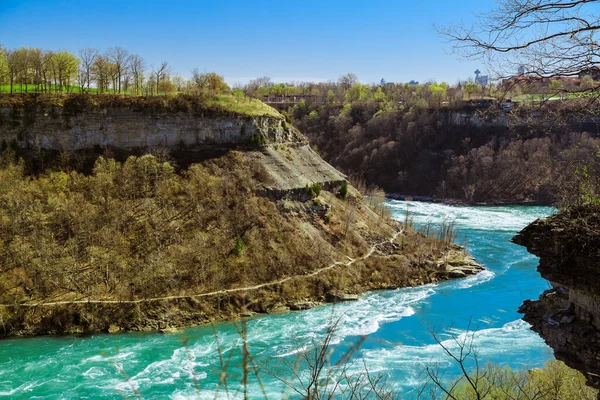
120,58
159,73
13,66
65,68
137,66
88,57
100,72
3,66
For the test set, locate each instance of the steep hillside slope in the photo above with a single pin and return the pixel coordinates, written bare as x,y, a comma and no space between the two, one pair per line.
261,225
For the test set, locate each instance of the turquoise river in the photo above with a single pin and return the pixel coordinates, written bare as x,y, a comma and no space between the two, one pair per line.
395,323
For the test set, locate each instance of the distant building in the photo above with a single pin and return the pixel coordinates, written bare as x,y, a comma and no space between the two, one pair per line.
481,79
537,84
382,82
532,84
413,83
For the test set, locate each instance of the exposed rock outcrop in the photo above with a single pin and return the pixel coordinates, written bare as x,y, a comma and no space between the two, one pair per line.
568,315
283,151
292,167
458,265
127,129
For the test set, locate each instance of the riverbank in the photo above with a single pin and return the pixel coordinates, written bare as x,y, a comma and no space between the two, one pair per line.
389,264
392,325
137,239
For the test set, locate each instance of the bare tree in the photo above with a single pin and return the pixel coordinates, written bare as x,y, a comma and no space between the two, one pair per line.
482,382
464,353
88,57
113,73
13,65
252,88
347,81
24,59
315,376
137,66
546,37
46,68
120,58
35,57
159,73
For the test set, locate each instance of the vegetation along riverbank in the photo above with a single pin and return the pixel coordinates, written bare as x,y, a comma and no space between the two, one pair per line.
239,225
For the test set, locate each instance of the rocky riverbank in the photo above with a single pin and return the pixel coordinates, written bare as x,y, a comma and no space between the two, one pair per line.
388,266
567,316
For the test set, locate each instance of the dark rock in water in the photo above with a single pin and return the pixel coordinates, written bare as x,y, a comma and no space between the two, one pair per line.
302,305
567,316
456,273
278,308
339,297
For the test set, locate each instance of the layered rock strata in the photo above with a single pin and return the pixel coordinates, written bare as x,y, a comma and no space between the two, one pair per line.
567,316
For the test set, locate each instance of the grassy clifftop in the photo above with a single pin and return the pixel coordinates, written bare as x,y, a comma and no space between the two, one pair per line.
218,104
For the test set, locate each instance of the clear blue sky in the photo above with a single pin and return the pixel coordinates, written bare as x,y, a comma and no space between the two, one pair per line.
243,39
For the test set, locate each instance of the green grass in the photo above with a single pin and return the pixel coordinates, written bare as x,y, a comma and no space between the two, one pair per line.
220,103
544,97
245,106
226,102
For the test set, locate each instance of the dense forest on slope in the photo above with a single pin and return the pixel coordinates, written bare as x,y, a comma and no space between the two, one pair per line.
137,230
421,150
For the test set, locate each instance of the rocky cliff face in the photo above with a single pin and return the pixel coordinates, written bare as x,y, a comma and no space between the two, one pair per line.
127,129
279,147
567,316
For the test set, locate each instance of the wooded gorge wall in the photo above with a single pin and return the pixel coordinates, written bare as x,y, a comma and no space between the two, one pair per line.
466,154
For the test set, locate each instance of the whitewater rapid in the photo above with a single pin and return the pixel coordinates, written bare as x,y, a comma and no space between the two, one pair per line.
397,325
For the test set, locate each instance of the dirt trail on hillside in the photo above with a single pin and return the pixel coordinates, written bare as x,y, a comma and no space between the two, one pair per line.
216,292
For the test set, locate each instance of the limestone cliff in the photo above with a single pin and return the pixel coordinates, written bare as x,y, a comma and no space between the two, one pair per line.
568,315
127,128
